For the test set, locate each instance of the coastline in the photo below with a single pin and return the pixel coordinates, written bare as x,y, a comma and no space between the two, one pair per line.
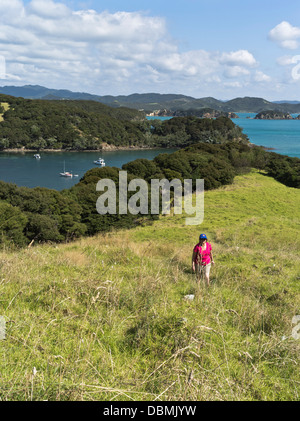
103,149
108,148
266,148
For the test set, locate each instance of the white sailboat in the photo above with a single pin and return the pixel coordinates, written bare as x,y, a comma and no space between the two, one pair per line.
66,173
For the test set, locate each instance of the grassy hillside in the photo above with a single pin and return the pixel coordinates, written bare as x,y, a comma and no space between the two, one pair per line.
106,318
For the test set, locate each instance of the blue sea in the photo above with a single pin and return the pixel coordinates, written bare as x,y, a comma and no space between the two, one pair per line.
283,136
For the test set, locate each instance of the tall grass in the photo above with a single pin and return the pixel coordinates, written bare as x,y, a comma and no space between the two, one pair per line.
106,318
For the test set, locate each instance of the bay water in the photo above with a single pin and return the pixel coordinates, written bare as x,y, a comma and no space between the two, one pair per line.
283,136
24,170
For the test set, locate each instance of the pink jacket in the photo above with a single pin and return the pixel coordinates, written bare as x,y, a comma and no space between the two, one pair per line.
205,254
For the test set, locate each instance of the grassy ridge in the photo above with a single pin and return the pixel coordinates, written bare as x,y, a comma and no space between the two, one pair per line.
106,318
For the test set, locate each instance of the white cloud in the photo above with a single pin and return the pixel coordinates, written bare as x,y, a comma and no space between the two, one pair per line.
47,43
191,63
48,9
12,10
235,71
238,58
290,44
285,60
285,35
261,77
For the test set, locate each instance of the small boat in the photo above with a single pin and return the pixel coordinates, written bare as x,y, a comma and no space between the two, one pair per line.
66,173
100,161
37,156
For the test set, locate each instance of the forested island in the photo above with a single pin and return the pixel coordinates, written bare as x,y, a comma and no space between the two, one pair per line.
274,115
86,125
203,113
89,125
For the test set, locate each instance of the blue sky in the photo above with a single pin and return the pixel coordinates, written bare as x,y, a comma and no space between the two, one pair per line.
219,48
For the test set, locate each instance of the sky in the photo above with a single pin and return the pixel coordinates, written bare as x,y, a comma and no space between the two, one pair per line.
219,48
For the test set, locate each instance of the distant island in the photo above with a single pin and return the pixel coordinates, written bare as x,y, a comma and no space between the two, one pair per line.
275,115
202,112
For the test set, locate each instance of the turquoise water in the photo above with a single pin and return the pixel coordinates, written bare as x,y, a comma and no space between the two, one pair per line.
282,135
158,118
24,170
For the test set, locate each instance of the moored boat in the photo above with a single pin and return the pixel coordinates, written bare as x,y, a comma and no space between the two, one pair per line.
66,173
100,161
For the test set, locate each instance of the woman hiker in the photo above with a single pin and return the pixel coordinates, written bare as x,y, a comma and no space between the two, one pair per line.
202,259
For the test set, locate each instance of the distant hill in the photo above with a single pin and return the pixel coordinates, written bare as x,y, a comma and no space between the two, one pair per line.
40,92
286,102
150,102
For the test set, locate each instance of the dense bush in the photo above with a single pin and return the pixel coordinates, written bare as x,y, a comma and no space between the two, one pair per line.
78,125
12,225
86,195
48,215
284,169
183,131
